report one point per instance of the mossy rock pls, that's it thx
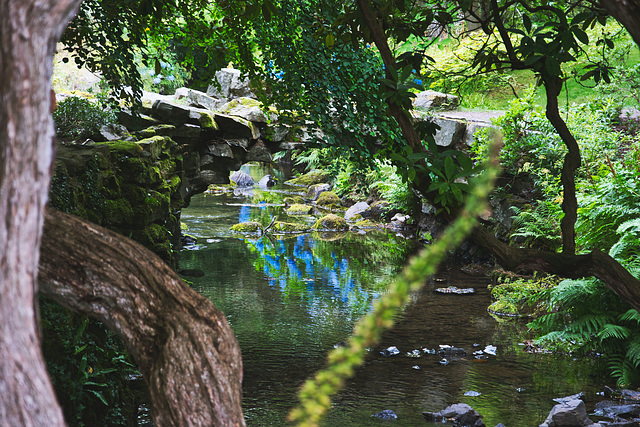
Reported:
(247, 227)
(331, 222)
(314, 177)
(219, 188)
(299, 209)
(118, 212)
(288, 227)
(156, 238)
(504, 308)
(328, 198)
(293, 200)
(367, 223)
(207, 120)
(135, 170)
(123, 148)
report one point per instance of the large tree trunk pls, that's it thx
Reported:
(29, 30)
(627, 12)
(183, 345)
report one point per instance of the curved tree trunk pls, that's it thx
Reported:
(29, 30)
(572, 160)
(183, 345)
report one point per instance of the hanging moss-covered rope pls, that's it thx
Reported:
(315, 395)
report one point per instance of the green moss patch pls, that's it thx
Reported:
(288, 227)
(519, 297)
(328, 198)
(367, 223)
(299, 209)
(123, 147)
(293, 200)
(331, 222)
(310, 178)
(247, 227)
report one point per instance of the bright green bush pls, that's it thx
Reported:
(79, 118)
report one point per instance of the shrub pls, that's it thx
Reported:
(79, 118)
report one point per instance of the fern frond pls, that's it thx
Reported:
(633, 352)
(630, 315)
(613, 331)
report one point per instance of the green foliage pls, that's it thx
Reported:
(79, 118)
(389, 185)
(165, 76)
(521, 297)
(587, 317)
(538, 226)
(89, 368)
(604, 206)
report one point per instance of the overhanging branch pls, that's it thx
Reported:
(183, 345)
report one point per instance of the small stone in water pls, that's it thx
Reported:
(390, 351)
(455, 290)
(472, 393)
(490, 349)
(444, 362)
(416, 367)
(429, 351)
(482, 357)
(414, 353)
(477, 352)
(387, 414)
(520, 389)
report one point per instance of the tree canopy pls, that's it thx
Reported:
(336, 65)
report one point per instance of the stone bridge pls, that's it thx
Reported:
(138, 175)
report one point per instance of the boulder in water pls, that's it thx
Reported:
(460, 414)
(267, 181)
(241, 179)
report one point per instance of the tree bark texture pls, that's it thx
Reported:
(29, 30)
(627, 12)
(572, 161)
(183, 345)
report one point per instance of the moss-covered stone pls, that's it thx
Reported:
(504, 308)
(293, 200)
(331, 222)
(299, 209)
(135, 170)
(367, 223)
(314, 177)
(207, 121)
(288, 227)
(121, 148)
(156, 238)
(328, 198)
(118, 212)
(220, 188)
(247, 227)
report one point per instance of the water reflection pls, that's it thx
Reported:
(291, 298)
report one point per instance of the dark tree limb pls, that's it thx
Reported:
(596, 264)
(183, 345)
(572, 160)
(401, 115)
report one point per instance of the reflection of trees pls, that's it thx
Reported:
(351, 270)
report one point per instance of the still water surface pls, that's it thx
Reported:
(290, 299)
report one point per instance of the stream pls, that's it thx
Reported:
(292, 298)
